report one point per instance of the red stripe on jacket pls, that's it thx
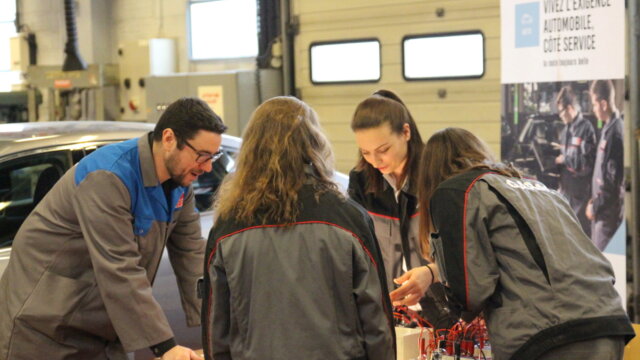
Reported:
(391, 217)
(213, 252)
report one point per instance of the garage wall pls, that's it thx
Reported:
(103, 24)
(97, 37)
(45, 18)
(472, 104)
(144, 19)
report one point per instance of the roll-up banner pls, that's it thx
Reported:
(563, 65)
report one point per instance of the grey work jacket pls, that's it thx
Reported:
(313, 289)
(514, 249)
(78, 284)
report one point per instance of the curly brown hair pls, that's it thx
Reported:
(282, 140)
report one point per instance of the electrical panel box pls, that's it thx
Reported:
(138, 60)
(233, 95)
(19, 51)
(408, 342)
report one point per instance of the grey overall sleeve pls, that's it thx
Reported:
(463, 249)
(102, 204)
(370, 301)
(218, 333)
(186, 253)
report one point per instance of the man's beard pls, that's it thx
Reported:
(173, 169)
(172, 165)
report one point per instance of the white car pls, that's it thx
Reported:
(33, 156)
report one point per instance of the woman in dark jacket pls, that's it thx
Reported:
(293, 270)
(384, 183)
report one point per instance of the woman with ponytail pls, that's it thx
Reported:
(384, 182)
(292, 268)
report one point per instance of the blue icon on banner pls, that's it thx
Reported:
(527, 24)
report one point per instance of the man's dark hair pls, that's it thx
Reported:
(187, 116)
(604, 90)
(566, 97)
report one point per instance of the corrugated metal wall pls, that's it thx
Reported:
(473, 104)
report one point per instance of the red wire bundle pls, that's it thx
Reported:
(466, 335)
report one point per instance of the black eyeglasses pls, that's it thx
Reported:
(203, 156)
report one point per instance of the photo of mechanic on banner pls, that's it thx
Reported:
(569, 135)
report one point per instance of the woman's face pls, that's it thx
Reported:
(384, 149)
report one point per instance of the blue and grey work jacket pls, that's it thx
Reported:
(83, 263)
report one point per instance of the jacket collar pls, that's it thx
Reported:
(147, 166)
(389, 182)
(611, 122)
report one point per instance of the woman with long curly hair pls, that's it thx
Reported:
(292, 268)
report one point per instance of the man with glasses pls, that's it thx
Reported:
(79, 281)
(577, 155)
